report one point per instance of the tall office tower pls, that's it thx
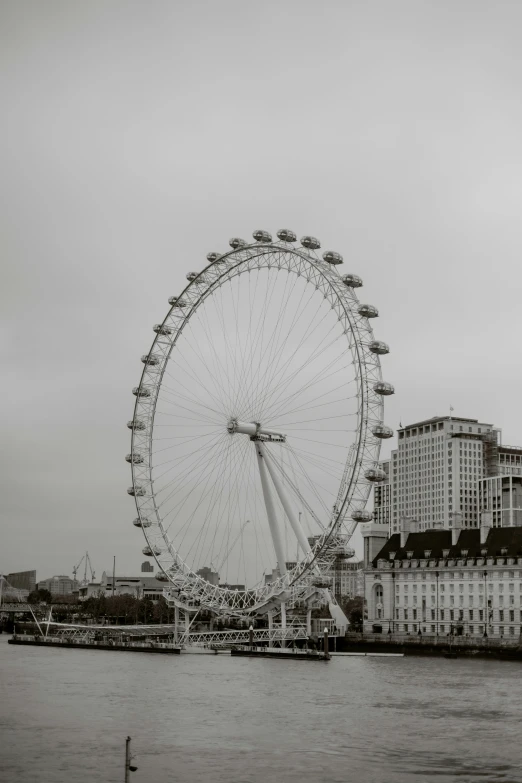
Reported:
(434, 473)
(383, 497)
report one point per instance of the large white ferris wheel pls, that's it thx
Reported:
(257, 426)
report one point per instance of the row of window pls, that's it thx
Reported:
(472, 629)
(458, 616)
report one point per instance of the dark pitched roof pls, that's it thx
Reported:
(435, 541)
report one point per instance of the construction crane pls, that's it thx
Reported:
(87, 563)
(234, 542)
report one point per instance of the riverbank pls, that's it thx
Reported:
(463, 646)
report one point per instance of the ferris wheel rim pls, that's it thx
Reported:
(240, 256)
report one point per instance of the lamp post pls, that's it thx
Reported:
(485, 604)
(437, 604)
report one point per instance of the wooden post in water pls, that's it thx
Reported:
(251, 637)
(127, 759)
(325, 641)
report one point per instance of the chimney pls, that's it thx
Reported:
(486, 522)
(457, 527)
(407, 526)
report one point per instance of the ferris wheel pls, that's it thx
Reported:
(257, 425)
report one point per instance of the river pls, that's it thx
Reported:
(64, 716)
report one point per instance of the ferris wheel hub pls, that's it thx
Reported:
(255, 431)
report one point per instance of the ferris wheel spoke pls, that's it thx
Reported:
(217, 389)
(221, 372)
(283, 361)
(308, 407)
(286, 379)
(189, 470)
(266, 360)
(301, 306)
(193, 549)
(192, 400)
(198, 381)
(258, 343)
(322, 375)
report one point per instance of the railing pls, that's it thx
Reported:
(14, 607)
(227, 638)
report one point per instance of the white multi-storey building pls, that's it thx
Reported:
(435, 582)
(438, 475)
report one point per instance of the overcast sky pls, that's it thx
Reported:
(138, 136)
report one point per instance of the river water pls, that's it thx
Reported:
(64, 716)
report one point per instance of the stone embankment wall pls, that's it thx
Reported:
(484, 647)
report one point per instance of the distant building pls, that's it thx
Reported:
(441, 470)
(146, 567)
(22, 580)
(138, 586)
(59, 585)
(464, 581)
(212, 577)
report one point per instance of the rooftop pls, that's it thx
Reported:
(441, 418)
(501, 541)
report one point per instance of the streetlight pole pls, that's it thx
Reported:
(437, 606)
(486, 609)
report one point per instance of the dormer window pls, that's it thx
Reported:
(409, 555)
(503, 551)
(464, 552)
(445, 553)
(392, 555)
(427, 553)
(483, 552)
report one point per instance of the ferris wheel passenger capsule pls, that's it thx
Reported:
(285, 235)
(236, 242)
(135, 458)
(212, 258)
(379, 348)
(381, 387)
(137, 492)
(150, 359)
(368, 311)
(311, 243)
(162, 329)
(136, 424)
(375, 474)
(331, 257)
(382, 431)
(192, 276)
(362, 515)
(143, 522)
(141, 391)
(161, 577)
(352, 281)
(151, 551)
(262, 236)
(176, 301)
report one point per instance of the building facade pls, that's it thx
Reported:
(439, 582)
(137, 586)
(22, 580)
(59, 585)
(436, 475)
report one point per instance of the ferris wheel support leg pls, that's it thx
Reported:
(270, 628)
(283, 623)
(272, 520)
(176, 624)
(283, 497)
(309, 622)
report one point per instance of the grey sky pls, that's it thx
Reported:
(138, 136)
